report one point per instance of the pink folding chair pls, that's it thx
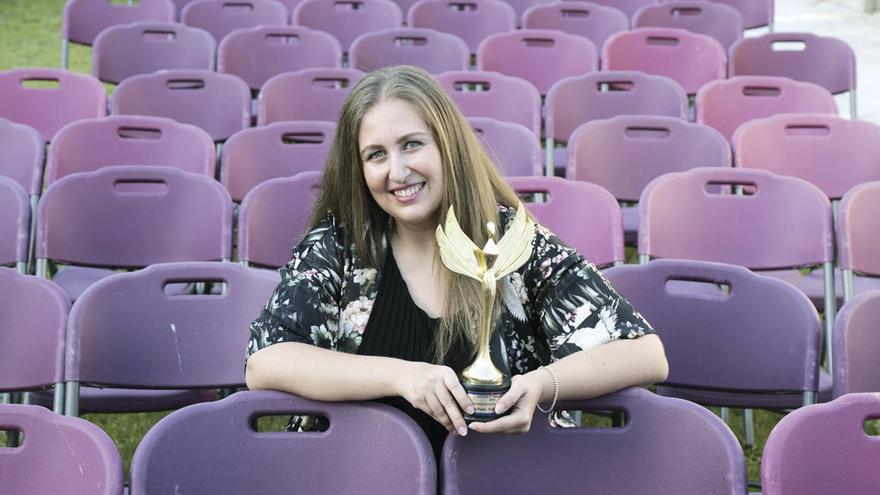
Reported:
(513, 149)
(690, 59)
(428, 49)
(348, 19)
(488, 94)
(856, 343)
(858, 239)
(471, 20)
(590, 20)
(15, 222)
(755, 13)
(308, 94)
(22, 151)
(720, 21)
(223, 17)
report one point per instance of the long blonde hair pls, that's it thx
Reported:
(472, 185)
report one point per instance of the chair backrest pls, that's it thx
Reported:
(690, 59)
(488, 94)
(33, 317)
(823, 60)
(308, 94)
(720, 21)
(856, 341)
(257, 54)
(125, 50)
(22, 150)
(131, 216)
(758, 335)
(15, 220)
(471, 20)
(87, 145)
(223, 17)
(539, 56)
(823, 449)
(218, 103)
(273, 218)
(678, 446)
(858, 238)
(590, 20)
(755, 13)
(131, 330)
(727, 104)
(832, 152)
(60, 454)
(778, 222)
(348, 19)
(431, 50)
(48, 99)
(366, 437)
(598, 236)
(625, 153)
(282, 149)
(601, 95)
(628, 7)
(513, 149)
(83, 20)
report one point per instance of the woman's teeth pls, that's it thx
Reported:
(409, 191)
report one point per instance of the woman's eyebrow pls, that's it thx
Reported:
(407, 137)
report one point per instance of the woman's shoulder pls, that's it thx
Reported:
(324, 240)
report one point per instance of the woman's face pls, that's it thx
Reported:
(402, 165)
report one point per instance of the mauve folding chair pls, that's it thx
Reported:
(584, 216)
(720, 21)
(218, 103)
(856, 340)
(823, 60)
(308, 94)
(755, 13)
(290, 5)
(471, 20)
(601, 95)
(82, 20)
(282, 149)
(22, 152)
(428, 49)
(221, 17)
(729, 103)
(513, 149)
(667, 446)
(590, 20)
(824, 449)
(489, 94)
(180, 4)
(48, 99)
(15, 225)
(623, 154)
(88, 145)
(348, 19)
(690, 59)
(858, 238)
(273, 218)
(257, 54)
(218, 448)
(33, 317)
(539, 56)
(628, 7)
(60, 455)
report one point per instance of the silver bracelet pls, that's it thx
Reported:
(555, 391)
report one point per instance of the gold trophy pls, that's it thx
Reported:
(482, 380)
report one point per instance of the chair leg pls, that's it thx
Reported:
(65, 47)
(830, 311)
(550, 144)
(725, 415)
(749, 427)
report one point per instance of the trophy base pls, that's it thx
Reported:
(484, 398)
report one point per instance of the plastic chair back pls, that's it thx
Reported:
(858, 239)
(628, 7)
(513, 149)
(309, 94)
(223, 17)
(471, 20)
(348, 19)
(714, 19)
(430, 50)
(856, 341)
(83, 20)
(488, 94)
(755, 13)
(590, 20)
(15, 220)
(22, 151)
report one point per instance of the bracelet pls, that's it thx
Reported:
(555, 391)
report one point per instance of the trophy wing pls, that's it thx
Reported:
(515, 247)
(457, 250)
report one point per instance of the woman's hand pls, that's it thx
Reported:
(436, 391)
(525, 391)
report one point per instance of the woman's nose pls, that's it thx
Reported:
(399, 168)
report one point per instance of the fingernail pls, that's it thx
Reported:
(462, 431)
(470, 409)
(499, 408)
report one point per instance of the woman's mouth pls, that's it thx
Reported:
(409, 191)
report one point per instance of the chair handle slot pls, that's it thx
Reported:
(146, 133)
(185, 84)
(238, 6)
(539, 42)
(791, 45)
(686, 11)
(159, 35)
(807, 130)
(282, 39)
(640, 132)
(662, 41)
(576, 13)
(403, 41)
(303, 138)
(762, 91)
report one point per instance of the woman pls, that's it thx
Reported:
(367, 280)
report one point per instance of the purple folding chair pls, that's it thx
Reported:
(282, 149)
(488, 94)
(601, 95)
(858, 244)
(48, 99)
(59, 454)
(727, 104)
(628, 7)
(856, 343)
(428, 49)
(539, 56)
(221, 17)
(15, 225)
(755, 13)
(257, 54)
(824, 449)
(590, 20)
(33, 316)
(826, 61)
(218, 103)
(308, 94)
(22, 151)
(679, 447)
(88, 145)
(82, 20)
(364, 439)
(625, 153)
(720, 21)
(471, 20)
(348, 19)
(273, 218)
(180, 4)
(291, 5)
(584, 216)
(690, 59)
(513, 149)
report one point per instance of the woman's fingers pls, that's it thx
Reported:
(451, 408)
(437, 411)
(518, 421)
(454, 387)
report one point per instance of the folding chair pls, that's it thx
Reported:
(856, 343)
(220, 18)
(488, 94)
(590, 20)
(15, 225)
(185, 448)
(348, 19)
(720, 21)
(755, 13)
(428, 49)
(22, 151)
(858, 246)
(628, 7)
(471, 20)
(513, 149)
(308, 94)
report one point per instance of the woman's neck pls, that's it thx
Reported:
(422, 240)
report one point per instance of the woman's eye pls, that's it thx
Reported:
(410, 145)
(375, 155)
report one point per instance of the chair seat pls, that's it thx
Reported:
(813, 285)
(119, 400)
(757, 400)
